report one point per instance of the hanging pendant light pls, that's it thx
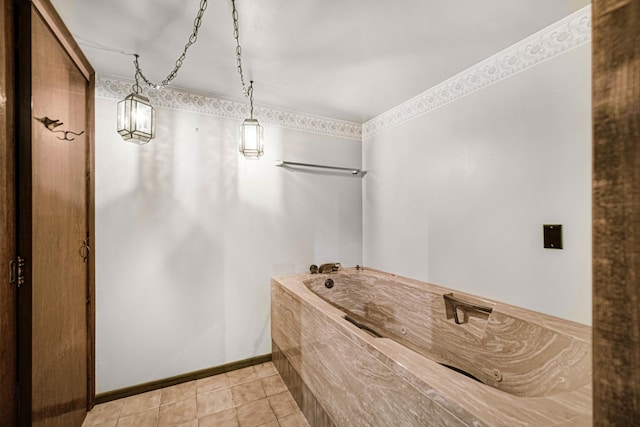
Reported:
(136, 115)
(250, 140)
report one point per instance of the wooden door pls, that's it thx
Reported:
(7, 223)
(55, 317)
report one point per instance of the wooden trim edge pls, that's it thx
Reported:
(178, 379)
(23, 141)
(91, 271)
(59, 28)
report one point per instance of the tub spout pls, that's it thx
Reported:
(329, 268)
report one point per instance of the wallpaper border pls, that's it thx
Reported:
(561, 36)
(181, 99)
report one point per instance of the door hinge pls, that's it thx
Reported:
(16, 271)
(85, 250)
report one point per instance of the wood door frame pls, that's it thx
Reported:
(8, 293)
(91, 227)
(23, 10)
(616, 212)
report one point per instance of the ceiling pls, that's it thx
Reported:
(343, 59)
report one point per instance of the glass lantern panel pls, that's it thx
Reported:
(250, 138)
(143, 117)
(124, 122)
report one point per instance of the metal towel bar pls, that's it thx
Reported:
(353, 171)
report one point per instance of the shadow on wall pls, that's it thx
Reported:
(189, 234)
(160, 271)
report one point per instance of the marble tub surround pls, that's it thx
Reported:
(535, 368)
(313, 411)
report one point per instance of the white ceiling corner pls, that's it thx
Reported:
(559, 37)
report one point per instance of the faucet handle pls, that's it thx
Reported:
(313, 269)
(329, 267)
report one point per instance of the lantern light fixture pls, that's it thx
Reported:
(250, 140)
(136, 115)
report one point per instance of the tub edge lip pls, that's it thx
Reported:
(577, 331)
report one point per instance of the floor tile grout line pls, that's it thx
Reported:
(259, 376)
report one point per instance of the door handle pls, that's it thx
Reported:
(16, 271)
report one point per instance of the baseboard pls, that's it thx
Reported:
(178, 379)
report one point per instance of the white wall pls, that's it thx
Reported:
(458, 196)
(188, 234)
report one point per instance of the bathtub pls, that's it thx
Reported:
(374, 349)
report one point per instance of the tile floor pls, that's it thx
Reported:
(248, 397)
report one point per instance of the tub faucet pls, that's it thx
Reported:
(329, 268)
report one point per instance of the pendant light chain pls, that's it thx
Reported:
(250, 94)
(136, 87)
(192, 39)
(250, 133)
(236, 34)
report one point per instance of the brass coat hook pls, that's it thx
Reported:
(66, 134)
(52, 124)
